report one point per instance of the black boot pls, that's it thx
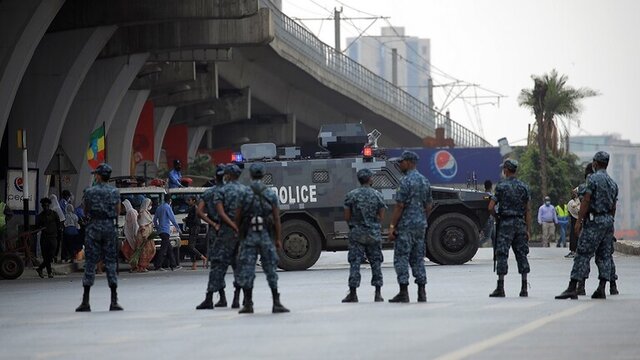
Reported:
(499, 291)
(235, 304)
(570, 292)
(524, 292)
(402, 296)
(207, 304)
(39, 271)
(247, 307)
(378, 296)
(613, 288)
(84, 306)
(580, 289)
(277, 306)
(352, 297)
(599, 293)
(422, 293)
(114, 300)
(223, 299)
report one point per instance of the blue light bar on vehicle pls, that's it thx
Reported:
(237, 157)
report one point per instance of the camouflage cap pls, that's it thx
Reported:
(364, 175)
(220, 169)
(510, 164)
(257, 170)
(406, 155)
(601, 157)
(232, 169)
(103, 169)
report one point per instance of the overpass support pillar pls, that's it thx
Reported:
(48, 88)
(97, 101)
(122, 130)
(161, 119)
(194, 139)
(24, 22)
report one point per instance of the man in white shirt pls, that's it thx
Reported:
(574, 210)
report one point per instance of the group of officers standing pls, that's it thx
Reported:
(244, 222)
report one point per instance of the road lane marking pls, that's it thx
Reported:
(514, 305)
(506, 336)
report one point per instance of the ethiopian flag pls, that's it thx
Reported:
(95, 152)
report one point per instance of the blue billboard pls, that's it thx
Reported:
(456, 166)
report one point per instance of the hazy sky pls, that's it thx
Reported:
(499, 44)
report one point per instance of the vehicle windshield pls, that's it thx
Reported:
(136, 201)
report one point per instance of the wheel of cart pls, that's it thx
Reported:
(13, 253)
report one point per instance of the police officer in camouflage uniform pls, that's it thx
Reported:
(363, 211)
(597, 212)
(258, 219)
(225, 247)
(512, 196)
(408, 226)
(206, 211)
(102, 206)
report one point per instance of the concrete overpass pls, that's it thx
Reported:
(230, 70)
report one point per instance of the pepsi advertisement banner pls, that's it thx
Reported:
(456, 166)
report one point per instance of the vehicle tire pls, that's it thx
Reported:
(452, 239)
(11, 266)
(301, 245)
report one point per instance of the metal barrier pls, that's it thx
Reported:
(289, 31)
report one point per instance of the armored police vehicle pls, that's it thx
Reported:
(312, 190)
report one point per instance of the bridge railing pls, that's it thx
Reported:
(356, 75)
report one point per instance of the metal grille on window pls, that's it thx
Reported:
(267, 179)
(320, 176)
(382, 181)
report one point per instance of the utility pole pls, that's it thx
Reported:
(394, 66)
(336, 19)
(22, 144)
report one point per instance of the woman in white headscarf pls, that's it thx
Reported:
(145, 246)
(55, 206)
(130, 230)
(70, 234)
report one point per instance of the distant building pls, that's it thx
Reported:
(414, 59)
(624, 168)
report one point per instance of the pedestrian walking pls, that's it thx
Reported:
(162, 220)
(547, 219)
(408, 226)
(562, 214)
(258, 221)
(206, 211)
(574, 210)
(595, 229)
(102, 206)
(363, 211)
(49, 221)
(512, 196)
(71, 232)
(192, 222)
(145, 246)
(55, 206)
(225, 248)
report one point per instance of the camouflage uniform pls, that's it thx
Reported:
(257, 242)
(597, 232)
(512, 195)
(225, 248)
(409, 248)
(365, 233)
(100, 203)
(209, 201)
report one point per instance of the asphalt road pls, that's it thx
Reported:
(37, 318)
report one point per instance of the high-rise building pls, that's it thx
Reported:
(413, 60)
(624, 169)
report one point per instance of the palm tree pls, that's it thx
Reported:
(551, 100)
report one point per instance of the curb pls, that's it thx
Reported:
(629, 247)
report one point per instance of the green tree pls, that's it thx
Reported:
(202, 166)
(550, 100)
(565, 173)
